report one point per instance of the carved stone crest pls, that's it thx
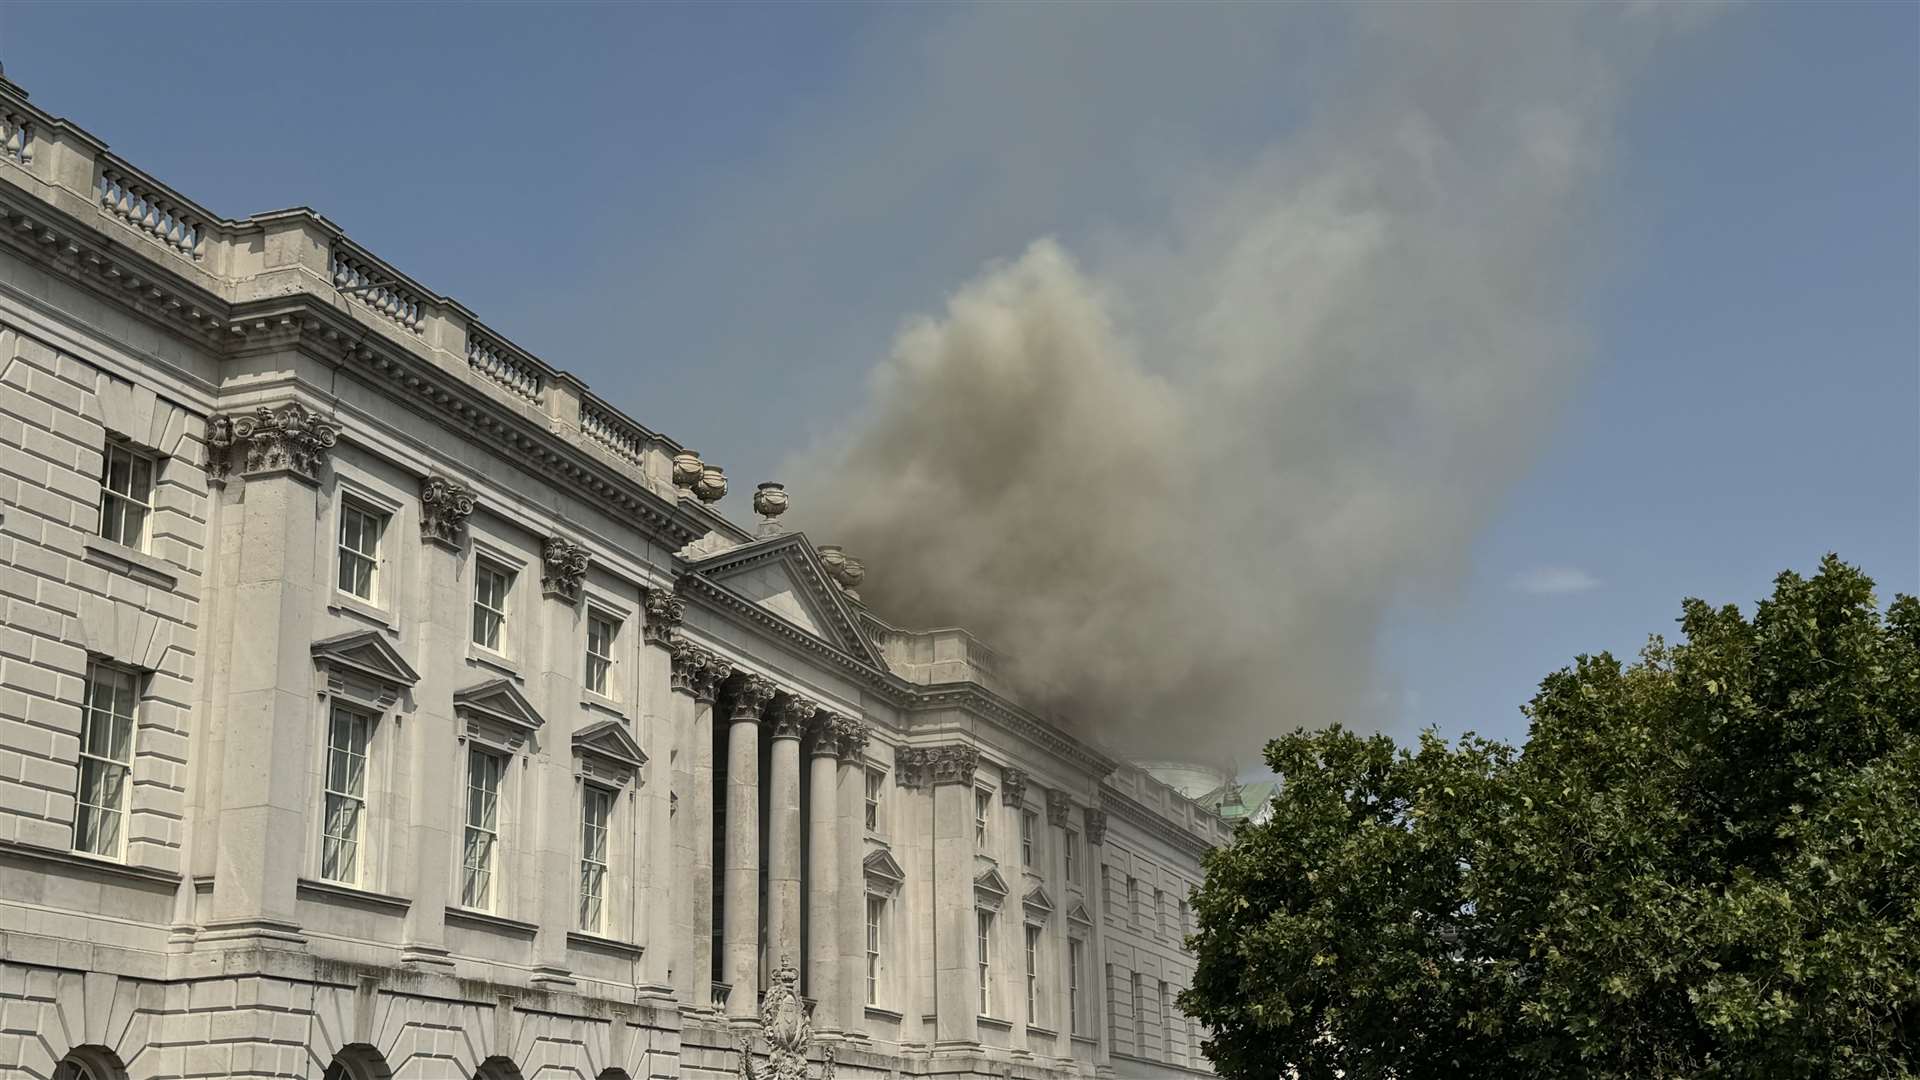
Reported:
(444, 509)
(563, 568)
(271, 439)
(788, 1030)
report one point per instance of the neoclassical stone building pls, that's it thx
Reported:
(375, 700)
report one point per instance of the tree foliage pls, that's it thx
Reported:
(1705, 864)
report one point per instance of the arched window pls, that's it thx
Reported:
(90, 1063)
(497, 1068)
(358, 1062)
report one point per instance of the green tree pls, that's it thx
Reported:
(1705, 864)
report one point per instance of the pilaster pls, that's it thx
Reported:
(851, 917)
(950, 770)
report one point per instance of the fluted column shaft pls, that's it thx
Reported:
(791, 717)
(741, 946)
(823, 878)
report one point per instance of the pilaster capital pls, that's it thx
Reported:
(563, 568)
(445, 506)
(750, 696)
(707, 680)
(1096, 826)
(921, 766)
(851, 735)
(1013, 787)
(663, 613)
(1059, 808)
(270, 440)
(792, 716)
(689, 664)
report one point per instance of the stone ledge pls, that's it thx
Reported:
(595, 943)
(493, 922)
(142, 875)
(122, 559)
(335, 891)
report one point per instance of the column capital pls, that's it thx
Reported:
(1013, 787)
(751, 694)
(1096, 826)
(663, 614)
(1059, 808)
(792, 715)
(921, 766)
(445, 505)
(563, 568)
(851, 735)
(689, 664)
(826, 734)
(271, 439)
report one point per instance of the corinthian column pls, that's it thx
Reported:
(685, 665)
(956, 991)
(791, 718)
(741, 947)
(706, 683)
(823, 884)
(851, 920)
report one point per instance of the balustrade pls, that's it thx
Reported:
(609, 428)
(376, 288)
(149, 209)
(16, 136)
(496, 362)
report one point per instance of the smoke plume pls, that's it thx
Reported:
(1179, 486)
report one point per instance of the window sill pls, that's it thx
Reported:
(603, 703)
(145, 875)
(580, 939)
(995, 1022)
(1089, 1040)
(349, 604)
(881, 1012)
(352, 894)
(132, 562)
(492, 921)
(484, 657)
(1043, 1032)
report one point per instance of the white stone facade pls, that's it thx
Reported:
(375, 701)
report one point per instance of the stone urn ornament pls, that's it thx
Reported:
(834, 558)
(851, 575)
(687, 469)
(770, 501)
(712, 485)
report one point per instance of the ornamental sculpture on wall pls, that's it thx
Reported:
(563, 568)
(445, 506)
(788, 1031)
(271, 439)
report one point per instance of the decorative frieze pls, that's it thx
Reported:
(921, 766)
(851, 734)
(664, 611)
(1059, 809)
(1096, 826)
(270, 440)
(1013, 787)
(750, 696)
(445, 506)
(792, 716)
(563, 568)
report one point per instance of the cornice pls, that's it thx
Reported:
(1143, 816)
(717, 598)
(977, 699)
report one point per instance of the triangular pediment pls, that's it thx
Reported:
(367, 653)
(1078, 913)
(990, 881)
(883, 867)
(1038, 901)
(500, 701)
(784, 577)
(611, 740)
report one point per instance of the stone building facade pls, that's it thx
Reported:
(376, 701)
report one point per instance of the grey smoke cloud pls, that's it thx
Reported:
(1179, 482)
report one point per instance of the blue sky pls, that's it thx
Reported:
(720, 216)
